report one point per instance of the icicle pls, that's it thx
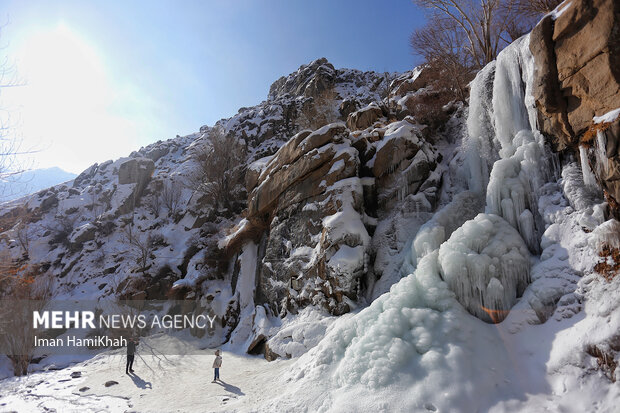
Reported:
(601, 153)
(527, 231)
(508, 212)
(588, 176)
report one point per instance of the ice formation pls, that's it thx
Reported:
(432, 234)
(601, 153)
(486, 263)
(502, 124)
(588, 176)
(480, 145)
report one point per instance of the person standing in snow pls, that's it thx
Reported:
(217, 363)
(131, 351)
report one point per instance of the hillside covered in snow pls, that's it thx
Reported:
(357, 256)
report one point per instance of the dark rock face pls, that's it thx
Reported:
(577, 77)
(304, 187)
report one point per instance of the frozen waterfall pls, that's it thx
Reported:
(505, 107)
(485, 260)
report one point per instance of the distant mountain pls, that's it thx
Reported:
(32, 181)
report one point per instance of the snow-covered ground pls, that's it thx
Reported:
(161, 383)
(497, 368)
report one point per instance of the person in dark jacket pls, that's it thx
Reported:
(131, 351)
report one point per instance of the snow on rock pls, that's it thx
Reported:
(299, 333)
(486, 263)
(608, 117)
(607, 233)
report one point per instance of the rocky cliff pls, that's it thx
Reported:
(325, 171)
(577, 82)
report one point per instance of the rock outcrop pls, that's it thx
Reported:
(577, 78)
(309, 190)
(365, 117)
(321, 194)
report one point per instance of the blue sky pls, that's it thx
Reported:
(103, 78)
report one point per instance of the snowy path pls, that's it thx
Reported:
(183, 383)
(163, 384)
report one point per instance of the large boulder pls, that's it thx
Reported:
(365, 117)
(136, 171)
(306, 153)
(133, 176)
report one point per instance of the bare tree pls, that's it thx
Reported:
(98, 203)
(171, 197)
(536, 8)
(154, 204)
(11, 165)
(484, 24)
(444, 48)
(141, 248)
(23, 236)
(220, 167)
(386, 89)
(22, 290)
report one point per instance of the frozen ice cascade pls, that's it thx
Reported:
(509, 127)
(486, 263)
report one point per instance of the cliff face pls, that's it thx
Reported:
(577, 79)
(317, 201)
(325, 175)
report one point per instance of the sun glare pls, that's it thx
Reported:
(66, 103)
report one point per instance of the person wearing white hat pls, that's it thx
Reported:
(217, 363)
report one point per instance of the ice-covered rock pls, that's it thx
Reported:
(487, 264)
